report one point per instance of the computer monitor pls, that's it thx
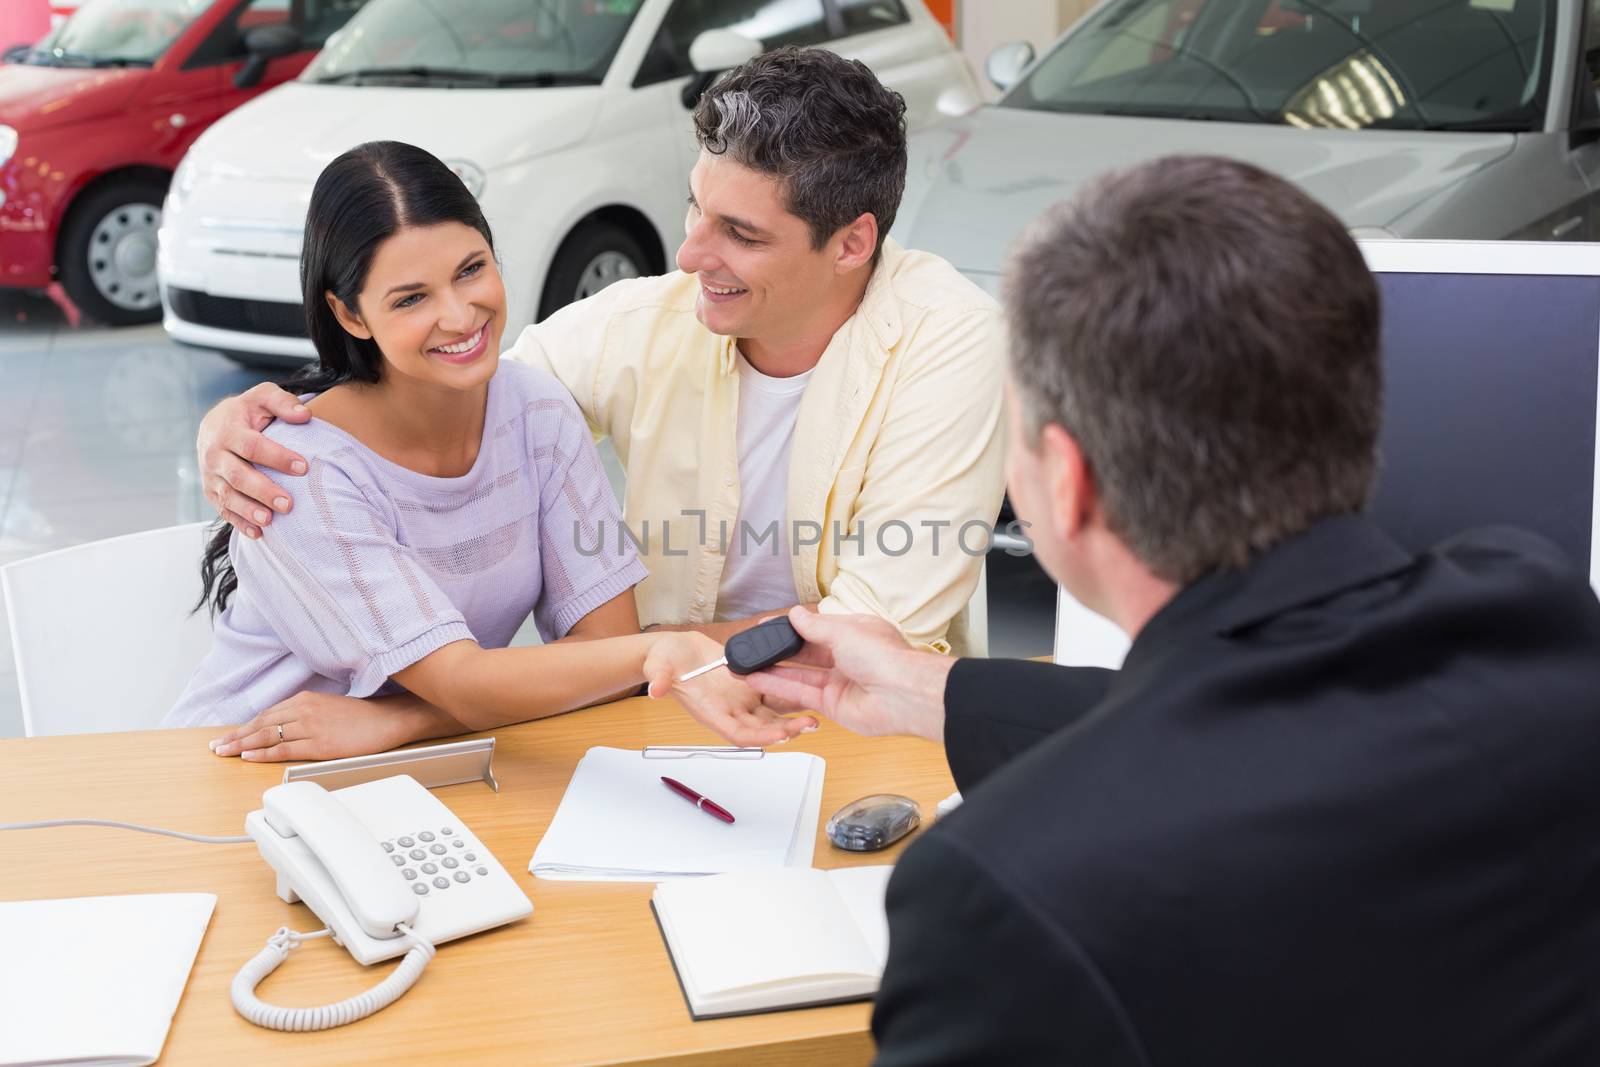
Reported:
(1492, 398)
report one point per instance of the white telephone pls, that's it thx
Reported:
(392, 872)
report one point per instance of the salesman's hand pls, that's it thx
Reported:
(858, 671)
(719, 699)
(231, 440)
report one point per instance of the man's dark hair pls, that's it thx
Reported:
(823, 125)
(1209, 335)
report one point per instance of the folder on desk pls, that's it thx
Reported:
(618, 823)
(95, 980)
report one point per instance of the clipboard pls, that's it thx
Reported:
(617, 822)
(700, 752)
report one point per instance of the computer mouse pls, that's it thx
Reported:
(874, 822)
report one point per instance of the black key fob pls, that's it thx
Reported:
(761, 646)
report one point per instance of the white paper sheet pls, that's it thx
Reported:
(95, 980)
(618, 822)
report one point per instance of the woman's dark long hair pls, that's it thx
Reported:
(360, 200)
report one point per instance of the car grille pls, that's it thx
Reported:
(245, 316)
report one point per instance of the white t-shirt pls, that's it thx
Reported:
(758, 575)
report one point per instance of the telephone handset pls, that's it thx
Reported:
(348, 853)
(391, 871)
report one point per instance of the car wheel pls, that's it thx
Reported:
(591, 258)
(107, 258)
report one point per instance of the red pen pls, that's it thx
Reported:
(710, 807)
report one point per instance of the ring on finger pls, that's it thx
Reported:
(280, 733)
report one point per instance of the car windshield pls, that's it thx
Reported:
(117, 33)
(476, 43)
(1313, 64)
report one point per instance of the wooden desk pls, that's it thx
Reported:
(584, 980)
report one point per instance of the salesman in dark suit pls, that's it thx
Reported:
(1341, 805)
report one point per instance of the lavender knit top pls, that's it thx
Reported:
(377, 566)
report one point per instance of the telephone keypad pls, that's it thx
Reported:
(428, 851)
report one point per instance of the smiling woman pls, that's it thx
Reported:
(445, 499)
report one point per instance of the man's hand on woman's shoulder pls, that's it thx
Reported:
(231, 440)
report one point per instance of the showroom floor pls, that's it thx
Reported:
(97, 432)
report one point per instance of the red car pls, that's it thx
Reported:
(95, 117)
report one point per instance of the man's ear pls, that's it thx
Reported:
(858, 244)
(348, 319)
(1074, 499)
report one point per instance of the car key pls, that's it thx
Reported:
(751, 650)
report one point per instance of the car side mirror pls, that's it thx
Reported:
(713, 52)
(1005, 64)
(266, 43)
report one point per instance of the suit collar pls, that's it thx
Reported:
(1335, 554)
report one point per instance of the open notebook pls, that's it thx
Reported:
(618, 823)
(733, 959)
(95, 980)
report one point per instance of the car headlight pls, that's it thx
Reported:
(471, 176)
(183, 182)
(8, 144)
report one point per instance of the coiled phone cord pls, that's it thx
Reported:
(285, 941)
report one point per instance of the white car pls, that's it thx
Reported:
(1462, 119)
(569, 119)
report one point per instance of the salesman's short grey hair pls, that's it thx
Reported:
(823, 125)
(1209, 335)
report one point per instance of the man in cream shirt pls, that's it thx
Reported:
(806, 413)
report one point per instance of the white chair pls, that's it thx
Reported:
(102, 633)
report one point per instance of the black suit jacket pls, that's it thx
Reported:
(1342, 808)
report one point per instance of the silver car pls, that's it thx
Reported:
(1408, 118)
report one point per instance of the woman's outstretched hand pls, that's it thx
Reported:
(719, 700)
